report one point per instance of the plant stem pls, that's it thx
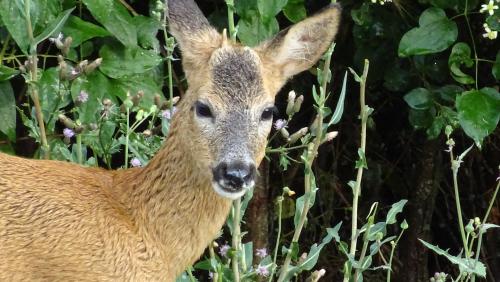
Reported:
(230, 19)
(236, 239)
(33, 69)
(312, 151)
(127, 135)
(473, 43)
(169, 57)
(275, 256)
(4, 47)
(79, 148)
(212, 257)
(359, 176)
(485, 218)
(454, 168)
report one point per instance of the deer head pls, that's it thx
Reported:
(228, 107)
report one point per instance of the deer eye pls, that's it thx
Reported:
(203, 110)
(267, 114)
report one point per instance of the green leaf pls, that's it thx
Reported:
(435, 34)
(98, 87)
(54, 27)
(53, 96)
(493, 21)
(339, 109)
(147, 29)
(7, 73)
(121, 62)
(7, 110)
(295, 10)
(496, 67)
(270, 8)
(13, 16)
(115, 18)
(82, 31)
(394, 211)
(465, 265)
(418, 99)
(312, 256)
(361, 162)
(254, 29)
(460, 55)
(478, 112)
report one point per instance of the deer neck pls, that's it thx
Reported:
(172, 200)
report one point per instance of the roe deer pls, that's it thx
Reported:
(64, 222)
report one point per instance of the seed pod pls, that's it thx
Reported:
(136, 99)
(69, 123)
(330, 136)
(298, 104)
(66, 45)
(290, 104)
(92, 66)
(157, 100)
(297, 135)
(284, 133)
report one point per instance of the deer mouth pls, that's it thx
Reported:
(226, 190)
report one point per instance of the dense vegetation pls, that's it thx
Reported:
(95, 82)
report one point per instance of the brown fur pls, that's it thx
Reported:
(63, 222)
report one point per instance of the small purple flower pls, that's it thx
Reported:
(82, 97)
(168, 114)
(135, 162)
(211, 275)
(262, 271)
(261, 253)
(68, 133)
(224, 249)
(75, 72)
(279, 124)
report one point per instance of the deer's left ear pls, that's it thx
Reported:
(297, 48)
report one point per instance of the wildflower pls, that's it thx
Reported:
(135, 162)
(261, 253)
(279, 124)
(224, 249)
(82, 97)
(490, 7)
(331, 135)
(491, 34)
(68, 133)
(262, 271)
(168, 114)
(211, 275)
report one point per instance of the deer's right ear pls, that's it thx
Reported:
(196, 37)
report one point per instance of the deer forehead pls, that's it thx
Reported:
(236, 77)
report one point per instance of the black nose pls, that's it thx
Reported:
(234, 175)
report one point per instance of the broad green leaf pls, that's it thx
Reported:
(460, 55)
(115, 18)
(479, 112)
(98, 87)
(147, 29)
(295, 10)
(270, 8)
(245, 8)
(418, 99)
(422, 118)
(54, 27)
(53, 96)
(449, 93)
(435, 129)
(496, 67)
(465, 265)
(121, 62)
(7, 110)
(253, 30)
(435, 34)
(82, 31)
(13, 16)
(7, 73)
(394, 211)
